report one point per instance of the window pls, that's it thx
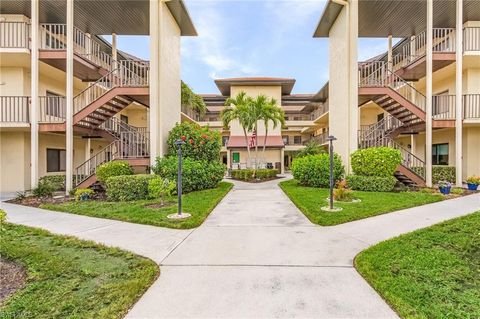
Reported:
(380, 117)
(124, 118)
(285, 140)
(224, 140)
(56, 160)
(236, 157)
(297, 140)
(440, 154)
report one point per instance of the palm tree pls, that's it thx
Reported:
(271, 112)
(239, 108)
(257, 109)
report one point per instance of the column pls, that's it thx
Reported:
(354, 117)
(154, 78)
(282, 161)
(429, 76)
(390, 54)
(69, 98)
(229, 164)
(458, 94)
(114, 50)
(34, 103)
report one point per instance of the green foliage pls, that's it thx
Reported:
(251, 174)
(128, 187)
(3, 216)
(474, 180)
(160, 188)
(457, 191)
(196, 175)
(43, 189)
(371, 183)
(428, 190)
(443, 173)
(201, 143)
(192, 100)
(375, 161)
(57, 181)
(311, 148)
(314, 170)
(83, 194)
(342, 193)
(113, 168)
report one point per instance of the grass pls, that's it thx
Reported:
(199, 204)
(430, 273)
(309, 200)
(70, 278)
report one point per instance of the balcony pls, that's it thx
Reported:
(190, 113)
(320, 139)
(14, 36)
(15, 110)
(444, 107)
(471, 39)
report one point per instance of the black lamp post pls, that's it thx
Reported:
(179, 144)
(330, 139)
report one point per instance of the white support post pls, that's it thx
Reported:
(354, 117)
(154, 79)
(114, 50)
(458, 94)
(390, 54)
(429, 78)
(282, 161)
(34, 106)
(69, 97)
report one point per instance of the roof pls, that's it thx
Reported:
(380, 18)
(239, 141)
(123, 17)
(224, 85)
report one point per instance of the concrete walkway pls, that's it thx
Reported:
(255, 256)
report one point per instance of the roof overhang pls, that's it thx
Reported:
(380, 18)
(123, 17)
(224, 85)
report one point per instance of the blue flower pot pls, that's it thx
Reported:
(445, 190)
(472, 187)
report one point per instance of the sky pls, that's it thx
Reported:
(239, 38)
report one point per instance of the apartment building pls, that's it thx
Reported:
(421, 97)
(71, 101)
(306, 118)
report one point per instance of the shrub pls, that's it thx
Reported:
(113, 168)
(128, 187)
(473, 180)
(457, 191)
(375, 161)
(197, 175)
(83, 194)
(3, 216)
(428, 190)
(342, 193)
(443, 173)
(43, 189)
(201, 143)
(311, 148)
(160, 188)
(314, 170)
(371, 183)
(251, 174)
(57, 181)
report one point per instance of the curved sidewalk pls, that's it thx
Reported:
(255, 256)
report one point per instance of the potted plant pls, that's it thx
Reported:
(444, 187)
(473, 182)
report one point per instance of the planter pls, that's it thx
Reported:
(445, 190)
(472, 186)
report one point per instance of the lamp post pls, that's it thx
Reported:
(179, 144)
(330, 140)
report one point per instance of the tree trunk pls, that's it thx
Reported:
(265, 140)
(248, 148)
(256, 145)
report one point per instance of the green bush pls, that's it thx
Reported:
(251, 174)
(128, 187)
(371, 183)
(201, 143)
(43, 189)
(314, 170)
(443, 173)
(375, 161)
(160, 188)
(83, 194)
(3, 216)
(57, 181)
(197, 175)
(113, 168)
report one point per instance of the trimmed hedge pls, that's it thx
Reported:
(371, 183)
(56, 181)
(128, 187)
(375, 161)
(196, 175)
(314, 170)
(251, 174)
(113, 168)
(443, 173)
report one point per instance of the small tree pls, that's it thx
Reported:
(160, 188)
(311, 148)
(192, 100)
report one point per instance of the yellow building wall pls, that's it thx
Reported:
(14, 161)
(137, 115)
(271, 155)
(369, 113)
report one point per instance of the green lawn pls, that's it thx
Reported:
(70, 278)
(430, 273)
(199, 204)
(309, 200)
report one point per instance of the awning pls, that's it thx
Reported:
(239, 141)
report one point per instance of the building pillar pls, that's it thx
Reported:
(354, 117)
(229, 159)
(413, 144)
(69, 98)
(390, 54)
(34, 100)
(458, 94)
(114, 50)
(154, 78)
(282, 161)
(428, 109)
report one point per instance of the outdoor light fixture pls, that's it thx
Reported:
(180, 214)
(330, 208)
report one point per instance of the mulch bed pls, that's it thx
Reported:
(37, 201)
(12, 276)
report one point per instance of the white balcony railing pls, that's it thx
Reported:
(15, 109)
(14, 35)
(52, 109)
(443, 107)
(322, 109)
(471, 106)
(471, 39)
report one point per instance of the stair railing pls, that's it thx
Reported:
(379, 130)
(406, 90)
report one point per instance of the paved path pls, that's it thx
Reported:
(255, 256)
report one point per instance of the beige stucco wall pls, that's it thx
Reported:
(369, 113)
(137, 115)
(271, 155)
(14, 161)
